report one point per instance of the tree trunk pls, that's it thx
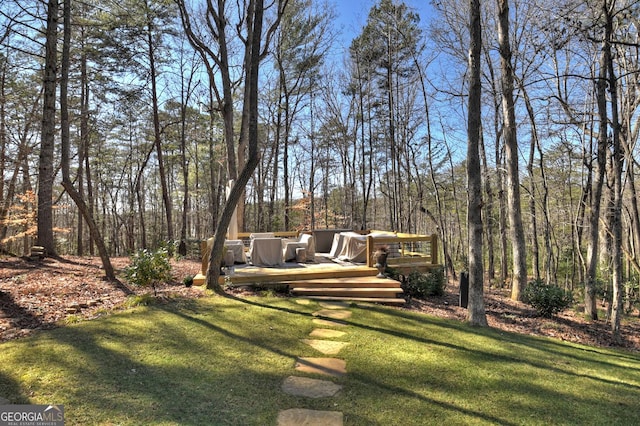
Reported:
(476, 311)
(511, 151)
(489, 215)
(591, 310)
(45, 168)
(617, 166)
(168, 208)
(250, 125)
(65, 147)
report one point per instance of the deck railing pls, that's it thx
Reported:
(405, 250)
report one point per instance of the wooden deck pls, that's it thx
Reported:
(322, 279)
(329, 279)
(321, 267)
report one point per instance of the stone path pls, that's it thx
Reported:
(320, 339)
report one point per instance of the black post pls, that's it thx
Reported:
(464, 289)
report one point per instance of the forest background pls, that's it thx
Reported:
(372, 137)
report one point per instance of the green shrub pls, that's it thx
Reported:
(420, 285)
(188, 281)
(149, 268)
(546, 299)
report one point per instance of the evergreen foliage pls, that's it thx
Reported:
(547, 299)
(421, 286)
(149, 268)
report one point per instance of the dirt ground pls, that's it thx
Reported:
(37, 295)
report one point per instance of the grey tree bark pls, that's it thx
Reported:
(45, 167)
(476, 311)
(65, 142)
(511, 151)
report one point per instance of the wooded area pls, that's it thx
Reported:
(122, 122)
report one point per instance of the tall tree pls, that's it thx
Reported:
(387, 47)
(476, 313)
(46, 169)
(300, 46)
(65, 142)
(511, 150)
(252, 17)
(617, 160)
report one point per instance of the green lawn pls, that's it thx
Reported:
(218, 361)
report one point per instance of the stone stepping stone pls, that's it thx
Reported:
(326, 333)
(301, 416)
(328, 322)
(303, 301)
(327, 366)
(333, 314)
(334, 305)
(310, 388)
(327, 347)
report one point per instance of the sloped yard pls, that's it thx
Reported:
(220, 360)
(39, 295)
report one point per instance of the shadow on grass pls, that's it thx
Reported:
(535, 343)
(122, 380)
(370, 381)
(10, 390)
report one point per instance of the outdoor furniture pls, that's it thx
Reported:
(323, 238)
(301, 255)
(336, 246)
(255, 235)
(237, 247)
(352, 247)
(266, 251)
(305, 241)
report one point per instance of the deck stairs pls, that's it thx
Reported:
(351, 289)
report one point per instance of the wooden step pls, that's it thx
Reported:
(370, 292)
(385, 300)
(353, 282)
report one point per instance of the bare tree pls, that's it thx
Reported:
(252, 17)
(476, 314)
(511, 151)
(65, 141)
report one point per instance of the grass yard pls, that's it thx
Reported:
(218, 361)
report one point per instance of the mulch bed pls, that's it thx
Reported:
(506, 314)
(36, 295)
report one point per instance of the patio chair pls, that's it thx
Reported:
(305, 241)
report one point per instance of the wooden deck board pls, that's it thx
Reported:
(322, 268)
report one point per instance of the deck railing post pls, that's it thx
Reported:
(370, 250)
(204, 250)
(434, 249)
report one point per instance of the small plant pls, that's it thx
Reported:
(188, 281)
(73, 319)
(149, 268)
(421, 285)
(139, 300)
(546, 299)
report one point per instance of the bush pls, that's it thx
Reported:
(421, 285)
(188, 281)
(546, 299)
(149, 268)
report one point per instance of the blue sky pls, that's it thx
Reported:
(352, 15)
